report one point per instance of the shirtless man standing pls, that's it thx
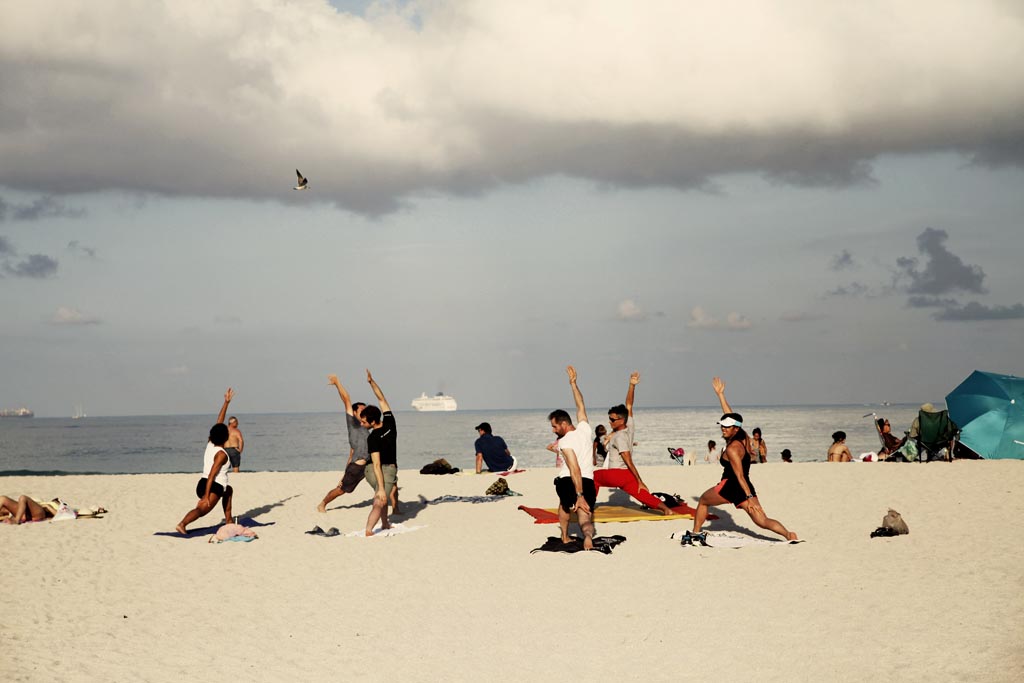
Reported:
(235, 444)
(838, 452)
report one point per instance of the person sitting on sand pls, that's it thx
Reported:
(574, 483)
(735, 486)
(712, 448)
(619, 471)
(382, 468)
(492, 451)
(25, 509)
(838, 452)
(358, 456)
(213, 485)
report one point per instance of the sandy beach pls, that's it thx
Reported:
(461, 597)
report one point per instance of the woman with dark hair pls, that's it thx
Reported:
(600, 452)
(213, 485)
(735, 486)
(758, 448)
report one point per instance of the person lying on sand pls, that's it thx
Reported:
(25, 509)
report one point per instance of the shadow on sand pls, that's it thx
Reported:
(246, 519)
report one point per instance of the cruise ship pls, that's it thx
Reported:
(25, 412)
(429, 404)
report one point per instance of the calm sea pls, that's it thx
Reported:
(317, 441)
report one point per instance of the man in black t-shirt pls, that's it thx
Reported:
(382, 443)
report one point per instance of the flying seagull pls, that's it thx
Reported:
(302, 185)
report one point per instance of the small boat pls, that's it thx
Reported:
(79, 412)
(438, 402)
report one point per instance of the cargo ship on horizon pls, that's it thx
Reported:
(16, 412)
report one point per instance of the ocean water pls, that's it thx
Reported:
(318, 441)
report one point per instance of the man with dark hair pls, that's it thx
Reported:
(492, 450)
(213, 485)
(382, 444)
(355, 467)
(619, 471)
(575, 483)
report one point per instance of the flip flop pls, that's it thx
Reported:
(316, 531)
(333, 531)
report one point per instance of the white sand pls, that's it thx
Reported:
(462, 597)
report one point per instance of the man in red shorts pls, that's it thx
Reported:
(619, 471)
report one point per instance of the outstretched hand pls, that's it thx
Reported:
(718, 385)
(634, 379)
(369, 377)
(572, 374)
(228, 395)
(332, 379)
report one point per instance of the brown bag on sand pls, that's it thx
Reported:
(894, 521)
(498, 488)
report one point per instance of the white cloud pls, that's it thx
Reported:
(459, 96)
(628, 310)
(701, 320)
(72, 316)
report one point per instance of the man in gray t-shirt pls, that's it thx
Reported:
(358, 454)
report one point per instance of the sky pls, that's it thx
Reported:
(818, 202)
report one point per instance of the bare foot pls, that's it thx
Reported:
(791, 537)
(369, 533)
(666, 510)
(565, 539)
(386, 526)
(322, 507)
(588, 543)
(181, 530)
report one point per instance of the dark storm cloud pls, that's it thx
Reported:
(76, 247)
(842, 261)
(131, 96)
(852, 289)
(976, 311)
(943, 271)
(32, 266)
(42, 207)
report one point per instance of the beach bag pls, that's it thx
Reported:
(439, 466)
(63, 512)
(668, 499)
(892, 525)
(498, 488)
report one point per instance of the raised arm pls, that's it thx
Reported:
(634, 379)
(719, 387)
(384, 407)
(581, 409)
(342, 392)
(228, 395)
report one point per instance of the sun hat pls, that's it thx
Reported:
(731, 420)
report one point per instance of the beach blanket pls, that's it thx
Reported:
(378, 532)
(233, 532)
(733, 539)
(450, 498)
(613, 513)
(602, 544)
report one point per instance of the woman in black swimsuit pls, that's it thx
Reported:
(735, 486)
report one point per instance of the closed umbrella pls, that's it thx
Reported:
(990, 411)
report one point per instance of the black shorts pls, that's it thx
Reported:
(731, 490)
(353, 475)
(234, 457)
(566, 491)
(215, 488)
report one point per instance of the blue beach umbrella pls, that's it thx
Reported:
(990, 411)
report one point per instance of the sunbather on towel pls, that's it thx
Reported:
(619, 472)
(24, 509)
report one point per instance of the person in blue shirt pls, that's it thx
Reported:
(492, 451)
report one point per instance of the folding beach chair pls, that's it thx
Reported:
(936, 432)
(677, 454)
